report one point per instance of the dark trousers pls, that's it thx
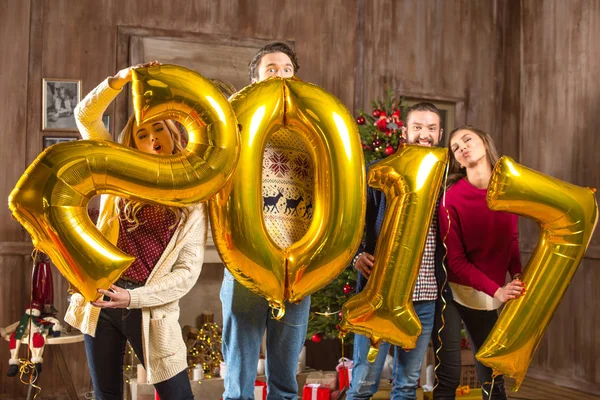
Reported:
(106, 350)
(478, 324)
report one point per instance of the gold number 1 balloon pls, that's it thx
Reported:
(567, 215)
(50, 200)
(410, 180)
(335, 231)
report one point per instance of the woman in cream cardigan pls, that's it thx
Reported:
(168, 243)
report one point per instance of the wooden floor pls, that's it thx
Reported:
(534, 389)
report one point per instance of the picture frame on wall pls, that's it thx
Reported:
(50, 140)
(59, 98)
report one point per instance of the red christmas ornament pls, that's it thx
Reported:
(376, 142)
(347, 289)
(360, 120)
(317, 337)
(376, 113)
(381, 125)
(389, 150)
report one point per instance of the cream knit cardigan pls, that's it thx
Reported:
(175, 273)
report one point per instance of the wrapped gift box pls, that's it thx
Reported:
(326, 379)
(344, 370)
(315, 391)
(260, 390)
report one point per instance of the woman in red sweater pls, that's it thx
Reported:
(482, 246)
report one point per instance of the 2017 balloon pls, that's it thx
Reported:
(50, 200)
(567, 215)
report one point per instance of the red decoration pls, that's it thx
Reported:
(382, 125)
(263, 391)
(389, 150)
(347, 289)
(360, 120)
(376, 113)
(315, 391)
(344, 376)
(317, 337)
(376, 142)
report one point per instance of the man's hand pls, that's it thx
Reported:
(364, 264)
(512, 290)
(119, 298)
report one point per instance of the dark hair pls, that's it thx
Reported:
(456, 172)
(423, 106)
(277, 47)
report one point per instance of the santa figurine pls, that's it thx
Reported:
(35, 329)
(34, 326)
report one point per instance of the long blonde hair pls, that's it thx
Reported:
(132, 207)
(456, 172)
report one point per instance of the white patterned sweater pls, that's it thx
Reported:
(288, 184)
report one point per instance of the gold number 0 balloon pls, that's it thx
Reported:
(411, 180)
(335, 231)
(567, 215)
(50, 200)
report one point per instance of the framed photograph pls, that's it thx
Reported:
(50, 140)
(59, 98)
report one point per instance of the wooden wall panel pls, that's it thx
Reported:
(559, 128)
(14, 57)
(436, 49)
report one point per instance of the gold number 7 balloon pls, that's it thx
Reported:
(50, 199)
(567, 215)
(383, 311)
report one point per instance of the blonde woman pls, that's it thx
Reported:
(168, 243)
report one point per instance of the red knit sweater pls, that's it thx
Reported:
(482, 244)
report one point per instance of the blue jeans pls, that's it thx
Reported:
(106, 350)
(407, 364)
(245, 318)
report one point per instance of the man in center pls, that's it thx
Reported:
(288, 184)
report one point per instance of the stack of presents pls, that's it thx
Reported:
(332, 385)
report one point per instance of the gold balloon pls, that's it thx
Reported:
(50, 199)
(567, 215)
(334, 234)
(410, 180)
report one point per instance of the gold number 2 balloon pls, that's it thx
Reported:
(410, 180)
(334, 234)
(50, 199)
(567, 215)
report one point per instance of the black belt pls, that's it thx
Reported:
(127, 283)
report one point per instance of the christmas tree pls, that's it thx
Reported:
(381, 131)
(380, 134)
